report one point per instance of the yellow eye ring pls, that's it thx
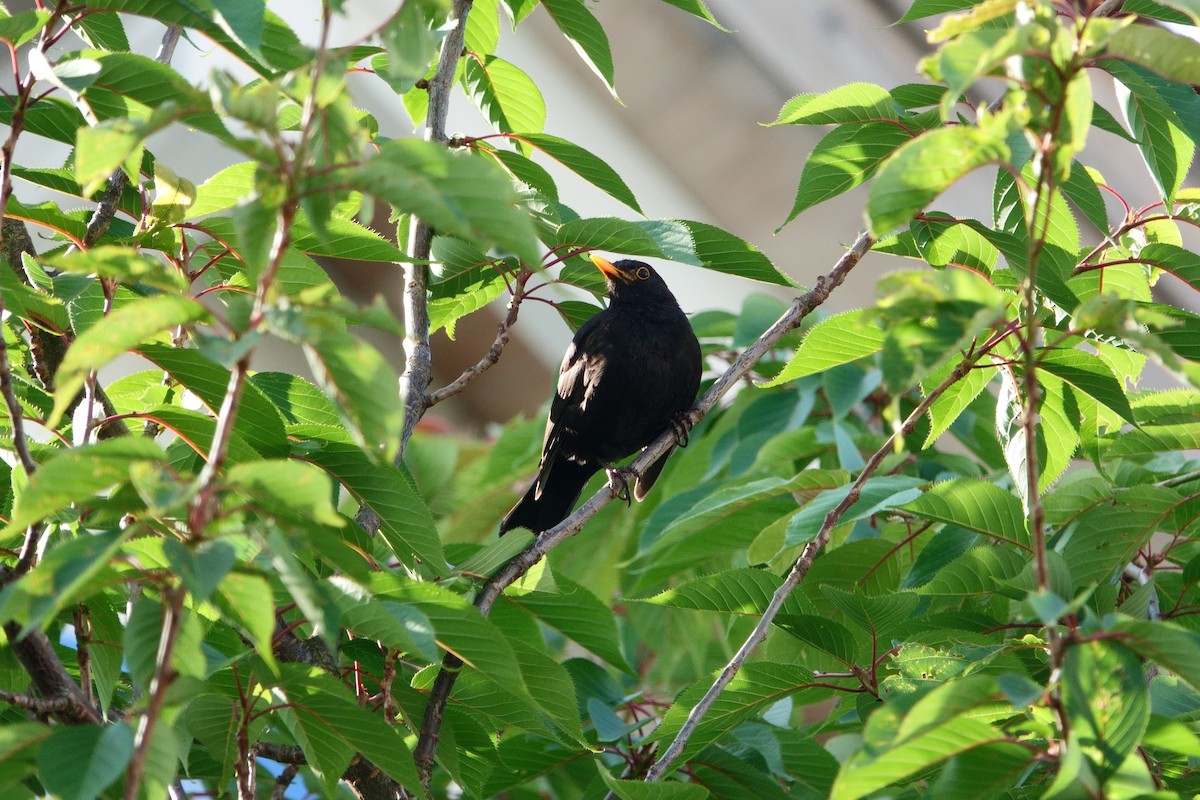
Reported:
(643, 273)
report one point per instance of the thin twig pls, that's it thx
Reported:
(1108, 8)
(797, 573)
(164, 676)
(279, 792)
(801, 307)
(16, 126)
(493, 354)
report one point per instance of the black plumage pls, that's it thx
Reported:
(628, 373)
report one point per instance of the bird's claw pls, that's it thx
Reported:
(620, 481)
(681, 424)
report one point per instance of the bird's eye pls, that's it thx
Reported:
(643, 273)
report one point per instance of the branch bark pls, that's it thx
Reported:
(418, 360)
(801, 307)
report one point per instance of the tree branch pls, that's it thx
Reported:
(492, 355)
(418, 366)
(801, 307)
(797, 573)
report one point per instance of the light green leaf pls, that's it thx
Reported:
(258, 422)
(119, 331)
(579, 615)
(1171, 55)
(292, 485)
(855, 102)
(736, 591)
(505, 95)
(925, 167)
(846, 157)
(457, 193)
(1106, 699)
(833, 341)
(223, 190)
(73, 476)
(1089, 375)
(975, 505)
(20, 28)
(697, 8)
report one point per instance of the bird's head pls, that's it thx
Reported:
(633, 281)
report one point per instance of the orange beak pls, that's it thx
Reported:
(609, 269)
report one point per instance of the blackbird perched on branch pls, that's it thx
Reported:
(628, 375)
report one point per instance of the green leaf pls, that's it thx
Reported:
(1106, 700)
(405, 522)
(292, 485)
(920, 9)
(1089, 375)
(297, 400)
(121, 330)
(869, 770)
(79, 762)
(925, 167)
(876, 493)
(505, 95)
(846, 157)
(223, 190)
(736, 591)
(1164, 643)
(258, 422)
(955, 400)
(364, 388)
(854, 102)
(640, 790)
(833, 341)
(43, 310)
(461, 629)
(20, 28)
(328, 717)
(393, 624)
(122, 264)
(975, 505)
(1166, 149)
(200, 568)
(1175, 57)
(76, 475)
(103, 31)
(410, 45)
(579, 615)
(697, 8)
(458, 194)
(584, 164)
(584, 33)
(758, 685)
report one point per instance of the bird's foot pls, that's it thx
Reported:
(620, 480)
(681, 424)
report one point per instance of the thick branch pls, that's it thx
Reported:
(521, 563)
(418, 360)
(46, 670)
(797, 573)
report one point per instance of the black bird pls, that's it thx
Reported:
(628, 374)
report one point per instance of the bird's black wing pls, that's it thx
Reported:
(573, 378)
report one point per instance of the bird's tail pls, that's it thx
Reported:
(561, 488)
